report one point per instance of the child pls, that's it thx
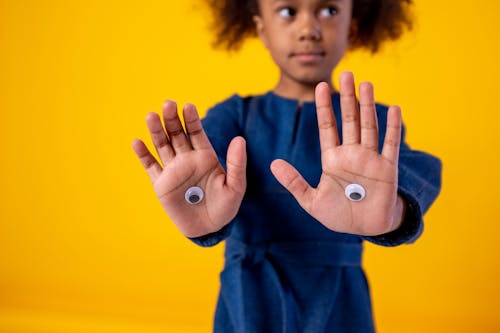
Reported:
(293, 252)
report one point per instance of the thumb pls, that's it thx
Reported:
(236, 165)
(293, 181)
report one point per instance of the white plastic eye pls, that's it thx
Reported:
(194, 195)
(355, 192)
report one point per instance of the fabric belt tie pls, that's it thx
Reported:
(250, 282)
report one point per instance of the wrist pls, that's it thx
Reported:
(399, 213)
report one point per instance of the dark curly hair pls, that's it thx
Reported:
(377, 21)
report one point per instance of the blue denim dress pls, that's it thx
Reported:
(284, 271)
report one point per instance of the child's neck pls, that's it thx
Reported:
(301, 91)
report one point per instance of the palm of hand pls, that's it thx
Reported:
(354, 164)
(195, 168)
(189, 160)
(356, 160)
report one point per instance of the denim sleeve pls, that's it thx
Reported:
(221, 124)
(419, 183)
(213, 238)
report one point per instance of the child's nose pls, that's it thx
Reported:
(309, 27)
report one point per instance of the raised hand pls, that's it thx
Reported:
(189, 160)
(356, 160)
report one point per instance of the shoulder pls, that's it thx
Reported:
(237, 107)
(238, 102)
(224, 113)
(233, 102)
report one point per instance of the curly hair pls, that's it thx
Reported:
(376, 21)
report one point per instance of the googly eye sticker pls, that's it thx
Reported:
(355, 192)
(194, 195)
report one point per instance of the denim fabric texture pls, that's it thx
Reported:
(284, 271)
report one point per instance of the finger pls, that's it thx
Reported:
(148, 161)
(369, 126)
(328, 132)
(159, 138)
(349, 108)
(194, 128)
(236, 165)
(293, 181)
(174, 128)
(392, 139)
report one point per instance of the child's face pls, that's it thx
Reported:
(306, 38)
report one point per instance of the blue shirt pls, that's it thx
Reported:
(284, 271)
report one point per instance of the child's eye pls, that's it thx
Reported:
(328, 11)
(287, 12)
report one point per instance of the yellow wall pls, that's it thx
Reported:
(84, 245)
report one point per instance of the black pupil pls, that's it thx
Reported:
(355, 196)
(194, 198)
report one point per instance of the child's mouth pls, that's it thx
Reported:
(308, 57)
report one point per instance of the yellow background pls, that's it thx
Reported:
(85, 246)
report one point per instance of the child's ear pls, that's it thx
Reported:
(259, 28)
